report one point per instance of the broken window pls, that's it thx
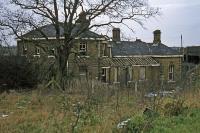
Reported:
(83, 48)
(171, 72)
(142, 73)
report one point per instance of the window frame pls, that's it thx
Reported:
(105, 74)
(171, 72)
(37, 51)
(83, 48)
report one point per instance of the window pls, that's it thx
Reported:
(37, 51)
(142, 73)
(83, 70)
(52, 51)
(24, 49)
(83, 48)
(103, 75)
(116, 71)
(171, 72)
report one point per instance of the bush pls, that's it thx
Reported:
(138, 124)
(174, 108)
(17, 72)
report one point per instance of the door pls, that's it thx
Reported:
(124, 76)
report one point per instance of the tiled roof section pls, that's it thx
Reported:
(128, 48)
(113, 62)
(130, 61)
(84, 61)
(49, 31)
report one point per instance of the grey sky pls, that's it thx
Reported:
(178, 17)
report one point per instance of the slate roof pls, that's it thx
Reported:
(130, 48)
(113, 62)
(49, 31)
(193, 50)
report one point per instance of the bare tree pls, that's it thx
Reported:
(86, 14)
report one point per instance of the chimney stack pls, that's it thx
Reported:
(116, 34)
(157, 36)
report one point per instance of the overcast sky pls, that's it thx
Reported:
(178, 17)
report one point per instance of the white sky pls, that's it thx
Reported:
(178, 17)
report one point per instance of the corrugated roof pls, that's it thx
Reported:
(130, 61)
(129, 48)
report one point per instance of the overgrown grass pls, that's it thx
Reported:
(185, 123)
(84, 110)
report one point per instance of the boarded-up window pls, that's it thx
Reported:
(142, 73)
(171, 72)
(130, 73)
(103, 49)
(83, 70)
(116, 74)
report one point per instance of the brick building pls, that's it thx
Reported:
(135, 64)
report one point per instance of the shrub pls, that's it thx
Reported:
(17, 72)
(174, 108)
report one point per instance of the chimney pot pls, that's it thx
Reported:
(138, 40)
(116, 34)
(157, 36)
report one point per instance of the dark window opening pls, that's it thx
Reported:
(83, 48)
(37, 51)
(52, 52)
(103, 75)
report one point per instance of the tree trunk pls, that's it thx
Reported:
(61, 62)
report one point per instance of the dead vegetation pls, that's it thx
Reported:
(87, 108)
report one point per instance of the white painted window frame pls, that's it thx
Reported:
(171, 72)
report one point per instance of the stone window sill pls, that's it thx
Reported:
(171, 81)
(36, 55)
